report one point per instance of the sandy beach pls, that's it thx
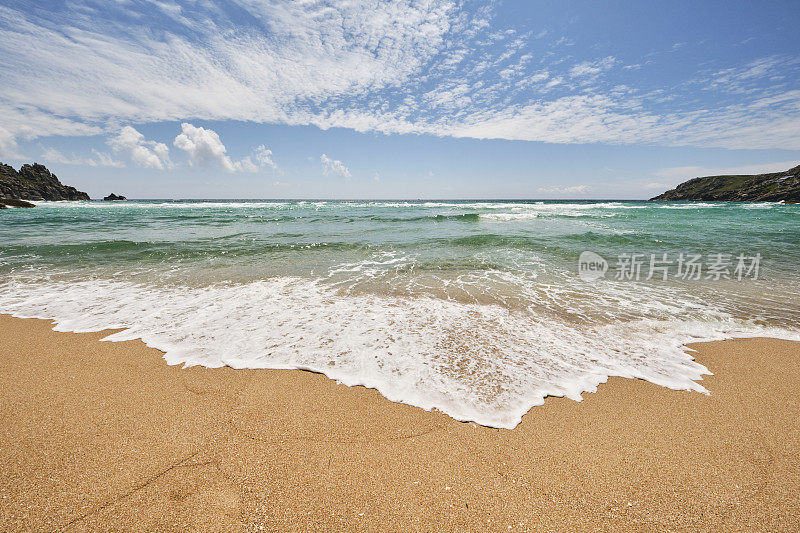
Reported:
(101, 435)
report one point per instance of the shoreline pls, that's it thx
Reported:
(100, 435)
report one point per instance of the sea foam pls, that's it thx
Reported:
(481, 363)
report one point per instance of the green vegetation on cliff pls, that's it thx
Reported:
(773, 187)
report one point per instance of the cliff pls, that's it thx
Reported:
(35, 182)
(772, 187)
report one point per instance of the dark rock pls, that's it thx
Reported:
(772, 187)
(35, 182)
(113, 198)
(12, 202)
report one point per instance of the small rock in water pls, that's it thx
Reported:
(13, 202)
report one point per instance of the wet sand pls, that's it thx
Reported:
(100, 435)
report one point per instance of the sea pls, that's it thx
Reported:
(479, 309)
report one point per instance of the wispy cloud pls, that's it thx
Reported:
(264, 157)
(657, 185)
(398, 67)
(750, 77)
(676, 175)
(571, 189)
(333, 166)
(592, 68)
(98, 159)
(8, 144)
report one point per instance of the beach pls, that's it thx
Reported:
(410, 265)
(105, 435)
(477, 309)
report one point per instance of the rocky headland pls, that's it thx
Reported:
(772, 187)
(33, 182)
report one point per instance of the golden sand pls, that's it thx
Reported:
(99, 435)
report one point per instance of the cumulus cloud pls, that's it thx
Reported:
(132, 144)
(333, 166)
(204, 148)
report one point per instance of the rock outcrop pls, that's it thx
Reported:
(773, 187)
(35, 182)
(113, 198)
(13, 202)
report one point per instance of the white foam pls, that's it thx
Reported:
(481, 363)
(690, 205)
(505, 217)
(128, 204)
(761, 205)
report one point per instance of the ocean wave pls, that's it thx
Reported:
(481, 363)
(474, 308)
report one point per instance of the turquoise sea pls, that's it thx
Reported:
(476, 308)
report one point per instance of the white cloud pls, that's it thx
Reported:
(333, 166)
(204, 148)
(8, 144)
(572, 189)
(403, 66)
(657, 185)
(98, 159)
(264, 157)
(102, 159)
(740, 79)
(286, 56)
(51, 155)
(558, 80)
(592, 68)
(679, 174)
(132, 144)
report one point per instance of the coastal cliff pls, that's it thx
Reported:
(34, 182)
(772, 187)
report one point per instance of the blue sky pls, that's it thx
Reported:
(405, 99)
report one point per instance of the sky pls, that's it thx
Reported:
(398, 99)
